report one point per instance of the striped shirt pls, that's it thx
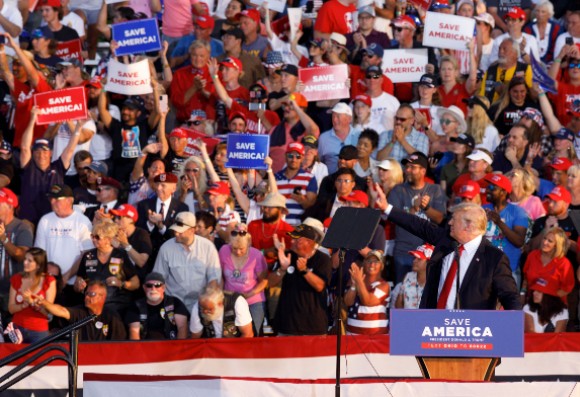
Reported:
(303, 180)
(369, 320)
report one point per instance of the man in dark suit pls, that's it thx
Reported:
(158, 213)
(107, 195)
(485, 275)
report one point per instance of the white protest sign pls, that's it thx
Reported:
(405, 66)
(129, 79)
(274, 5)
(294, 17)
(447, 31)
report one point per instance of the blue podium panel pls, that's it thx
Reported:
(457, 333)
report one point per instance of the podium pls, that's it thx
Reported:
(458, 368)
(464, 345)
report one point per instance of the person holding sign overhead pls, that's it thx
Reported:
(484, 273)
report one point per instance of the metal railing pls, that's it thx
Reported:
(70, 357)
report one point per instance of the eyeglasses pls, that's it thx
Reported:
(194, 170)
(240, 233)
(293, 156)
(401, 119)
(181, 224)
(196, 122)
(574, 65)
(368, 55)
(91, 294)
(447, 121)
(344, 180)
(100, 189)
(96, 237)
(373, 76)
(398, 29)
(153, 285)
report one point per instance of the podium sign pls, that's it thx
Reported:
(457, 333)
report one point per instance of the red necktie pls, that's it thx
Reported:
(442, 301)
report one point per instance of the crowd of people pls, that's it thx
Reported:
(134, 215)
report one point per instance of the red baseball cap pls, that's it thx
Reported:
(178, 133)
(499, 181)
(126, 210)
(560, 194)
(405, 21)
(515, 13)
(469, 190)
(167, 177)
(220, 187)
(231, 62)
(560, 164)
(50, 3)
(356, 195)
(95, 82)
(205, 22)
(7, 196)
(364, 99)
(295, 147)
(108, 181)
(423, 251)
(252, 14)
(233, 115)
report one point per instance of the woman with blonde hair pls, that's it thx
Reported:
(479, 125)
(549, 265)
(452, 91)
(110, 265)
(573, 185)
(193, 184)
(523, 188)
(245, 271)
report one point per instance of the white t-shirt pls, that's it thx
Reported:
(86, 4)
(383, 110)
(490, 138)
(561, 42)
(486, 56)
(102, 144)
(539, 328)
(435, 124)
(11, 12)
(64, 239)
(285, 49)
(63, 137)
(243, 317)
(73, 21)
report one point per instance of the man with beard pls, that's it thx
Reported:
(507, 223)
(304, 273)
(188, 262)
(371, 56)
(415, 196)
(107, 326)
(158, 315)
(497, 78)
(131, 134)
(515, 20)
(517, 152)
(220, 314)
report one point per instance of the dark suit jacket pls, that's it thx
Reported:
(488, 279)
(157, 239)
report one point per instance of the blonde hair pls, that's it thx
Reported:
(473, 215)
(525, 178)
(452, 60)
(574, 170)
(560, 240)
(479, 120)
(395, 174)
(246, 238)
(106, 228)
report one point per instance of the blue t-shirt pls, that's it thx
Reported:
(512, 216)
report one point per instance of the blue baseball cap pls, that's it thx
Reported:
(374, 49)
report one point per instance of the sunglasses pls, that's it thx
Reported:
(196, 122)
(96, 237)
(447, 121)
(240, 233)
(153, 285)
(574, 65)
(367, 55)
(373, 76)
(398, 29)
(294, 156)
(401, 119)
(194, 170)
(100, 189)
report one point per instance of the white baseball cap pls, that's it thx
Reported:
(342, 108)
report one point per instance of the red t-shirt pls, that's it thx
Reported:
(358, 86)
(263, 235)
(454, 97)
(333, 16)
(23, 100)
(182, 80)
(567, 94)
(558, 272)
(30, 318)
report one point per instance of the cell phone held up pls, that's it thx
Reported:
(569, 40)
